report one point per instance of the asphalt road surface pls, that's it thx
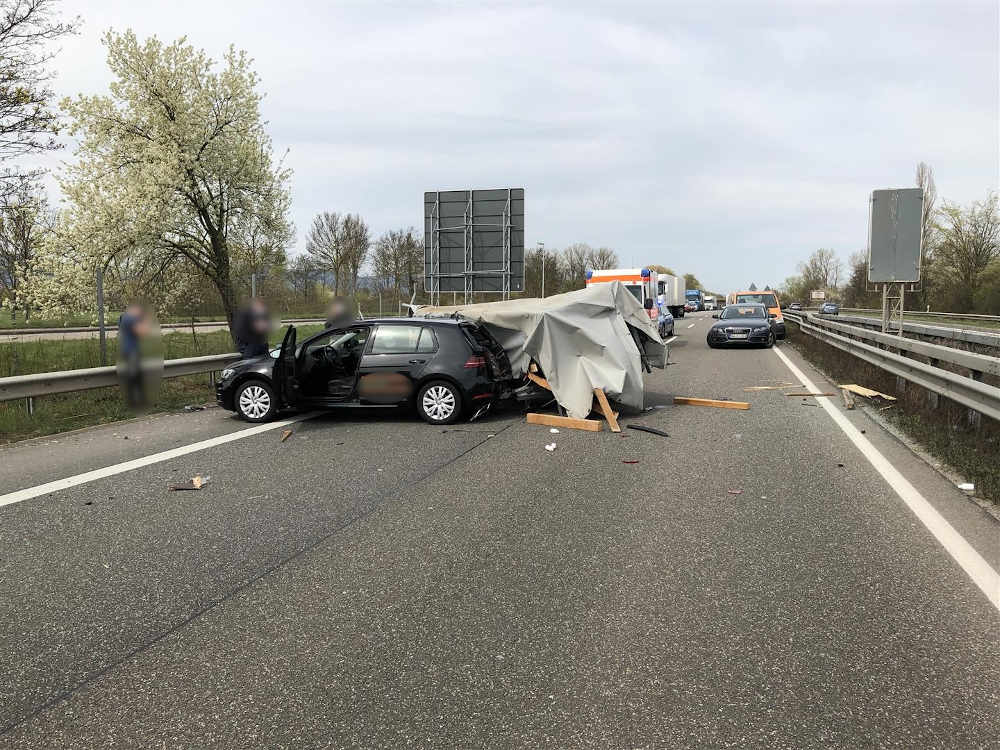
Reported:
(377, 582)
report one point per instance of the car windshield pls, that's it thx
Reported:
(743, 311)
(760, 299)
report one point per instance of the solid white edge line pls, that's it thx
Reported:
(137, 463)
(980, 571)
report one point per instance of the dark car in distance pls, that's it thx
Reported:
(829, 308)
(742, 325)
(443, 367)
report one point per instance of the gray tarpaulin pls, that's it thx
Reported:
(582, 340)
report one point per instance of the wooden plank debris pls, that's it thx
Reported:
(848, 398)
(539, 380)
(711, 402)
(591, 425)
(609, 415)
(806, 393)
(768, 388)
(866, 392)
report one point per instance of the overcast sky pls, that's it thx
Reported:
(724, 139)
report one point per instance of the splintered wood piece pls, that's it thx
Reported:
(572, 423)
(538, 380)
(606, 410)
(803, 393)
(866, 392)
(711, 402)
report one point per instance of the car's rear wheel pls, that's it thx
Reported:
(439, 402)
(255, 401)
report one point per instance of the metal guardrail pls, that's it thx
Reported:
(970, 316)
(113, 328)
(966, 390)
(47, 383)
(968, 335)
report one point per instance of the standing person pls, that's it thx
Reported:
(133, 325)
(251, 326)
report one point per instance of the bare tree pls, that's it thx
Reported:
(28, 122)
(575, 260)
(603, 258)
(303, 275)
(968, 241)
(822, 270)
(925, 181)
(325, 245)
(356, 247)
(22, 216)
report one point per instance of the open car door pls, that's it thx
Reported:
(285, 374)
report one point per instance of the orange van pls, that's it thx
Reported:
(769, 299)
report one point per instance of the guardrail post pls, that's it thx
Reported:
(211, 379)
(31, 406)
(975, 418)
(932, 396)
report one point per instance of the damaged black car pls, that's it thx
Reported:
(443, 368)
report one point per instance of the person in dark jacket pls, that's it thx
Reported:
(251, 327)
(133, 326)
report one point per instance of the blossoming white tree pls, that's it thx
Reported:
(174, 179)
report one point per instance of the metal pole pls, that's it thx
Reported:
(253, 284)
(100, 317)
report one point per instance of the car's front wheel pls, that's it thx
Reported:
(770, 340)
(439, 402)
(255, 401)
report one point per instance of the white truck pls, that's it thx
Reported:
(710, 302)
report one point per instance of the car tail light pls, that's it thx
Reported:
(476, 360)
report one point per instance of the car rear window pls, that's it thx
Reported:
(760, 299)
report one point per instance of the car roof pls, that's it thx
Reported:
(410, 321)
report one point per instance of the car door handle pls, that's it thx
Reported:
(417, 361)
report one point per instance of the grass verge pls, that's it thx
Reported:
(71, 411)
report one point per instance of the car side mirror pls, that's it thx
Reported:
(715, 316)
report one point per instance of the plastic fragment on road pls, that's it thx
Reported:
(967, 487)
(194, 407)
(735, 492)
(644, 428)
(195, 483)
(550, 447)
(554, 431)
(630, 461)
(285, 434)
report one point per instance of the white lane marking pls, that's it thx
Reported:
(980, 571)
(137, 463)
(691, 326)
(669, 340)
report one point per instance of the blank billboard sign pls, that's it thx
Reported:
(894, 244)
(474, 240)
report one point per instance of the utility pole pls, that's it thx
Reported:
(253, 283)
(541, 250)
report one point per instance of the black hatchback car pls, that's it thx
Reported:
(443, 366)
(742, 325)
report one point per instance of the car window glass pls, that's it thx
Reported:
(341, 339)
(427, 341)
(396, 339)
